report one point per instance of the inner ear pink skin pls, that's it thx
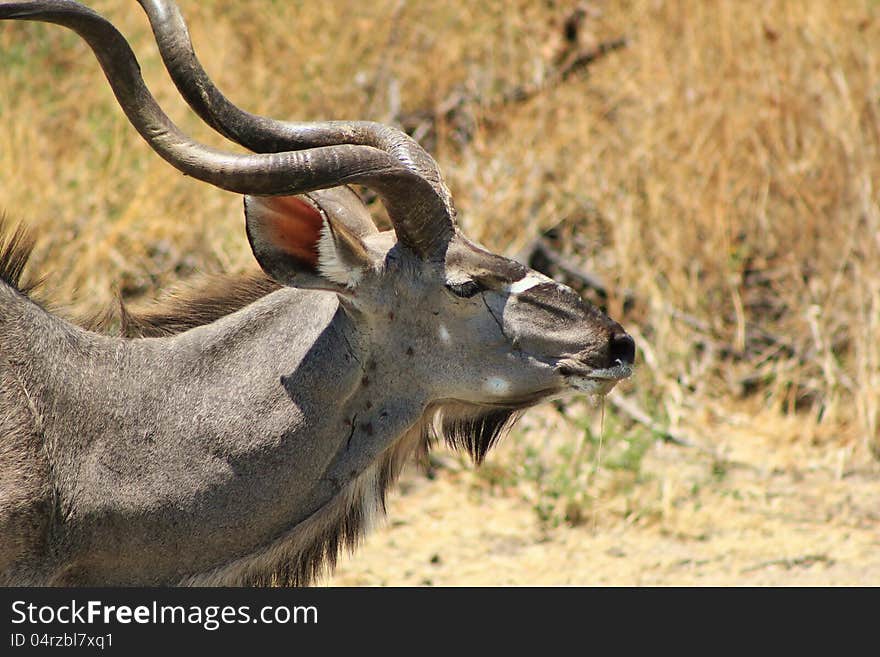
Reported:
(293, 226)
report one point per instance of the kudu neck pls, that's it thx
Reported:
(220, 440)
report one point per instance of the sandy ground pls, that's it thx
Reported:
(761, 523)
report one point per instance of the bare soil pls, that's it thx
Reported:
(760, 522)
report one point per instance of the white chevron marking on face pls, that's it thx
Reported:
(527, 282)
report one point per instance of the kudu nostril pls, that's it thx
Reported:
(622, 348)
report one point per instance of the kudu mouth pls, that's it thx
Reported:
(594, 381)
(600, 380)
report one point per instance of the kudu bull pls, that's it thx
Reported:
(259, 434)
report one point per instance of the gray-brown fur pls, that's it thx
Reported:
(247, 429)
(196, 303)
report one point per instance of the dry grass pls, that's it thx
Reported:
(720, 173)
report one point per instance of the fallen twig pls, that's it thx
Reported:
(571, 64)
(457, 109)
(805, 561)
(633, 411)
(539, 249)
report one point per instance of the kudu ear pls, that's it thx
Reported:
(313, 240)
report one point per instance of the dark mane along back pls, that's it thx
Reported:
(204, 300)
(16, 247)
(201, 301)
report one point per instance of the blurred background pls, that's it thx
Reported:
(707, 172)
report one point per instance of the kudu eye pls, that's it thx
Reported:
(465, 290)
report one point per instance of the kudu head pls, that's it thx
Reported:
(470, 326)
(479, 328)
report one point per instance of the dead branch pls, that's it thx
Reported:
(633, 411)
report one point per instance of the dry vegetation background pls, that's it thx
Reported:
(719, 173)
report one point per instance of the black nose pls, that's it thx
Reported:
(622, 348)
